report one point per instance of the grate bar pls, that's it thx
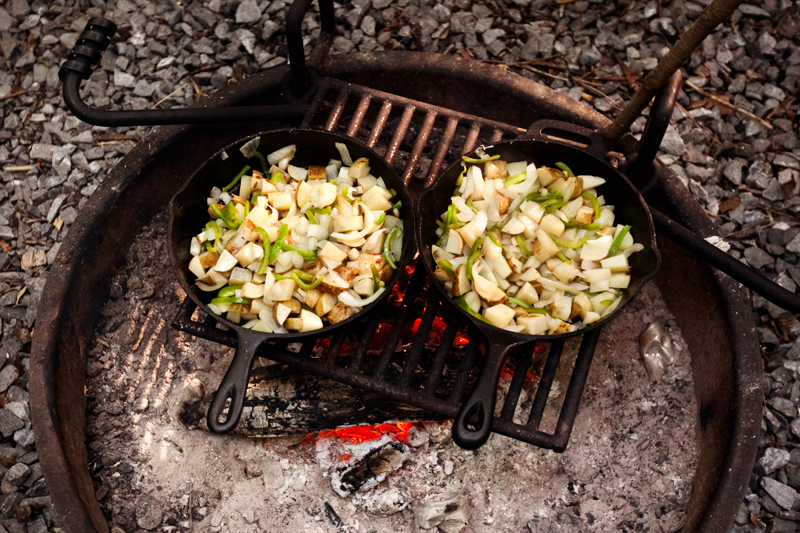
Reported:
(335, 347)
(380, 123)
(400, 321)
(444, 144)
(472, 137)
(467, 364)
(399, 133)
(497, 136)
(576, 383)
(358, 116)
(440, 359)
(364, 340)
(523, 363)
(415, 353)
(338, 109)
(422, 140)
(545, 382)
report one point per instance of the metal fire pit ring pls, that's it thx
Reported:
(725, 357)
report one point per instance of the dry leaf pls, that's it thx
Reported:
(19, 295)
(58, 222)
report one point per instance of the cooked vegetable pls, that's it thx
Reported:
(323, 237)
(529, 249)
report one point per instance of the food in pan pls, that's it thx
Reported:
(292, 248)
(531, 250)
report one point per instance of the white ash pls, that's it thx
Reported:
(618, 469)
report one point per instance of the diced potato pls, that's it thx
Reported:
(359, 169)
(598, 274)
(208, 259)
(281, 312)
(561, 328)
(552, 225)
(282, 290)
(367, 182)
(503, 203)
(548, 175)
(317, 173)
(462, 284)
(590, 182)
(545, 248)
(600, 286)
(572, 208)
(514, 227)
(495, 170)
(455, 243)
(365, 260)
(294, 324)
(377, 199)
(311, 322)
(533, 210)
(340, 312)
(226, 262)
(527, 294)
(252, 291)
(347, 273)
(282, 201)
(534, 324)
(196, 267)
(500, 315)
(561, 307)
(584, 215)
(312, 297)
(249, 253)
(580, 305)
(619, 281)
(325, 304)
(240, 276)
(212, 281)
(323, 195)
(591, 317)
(473, 301)
(364, 287)
(330, 286)
(303, 193)
(333, 252)
(565, 272)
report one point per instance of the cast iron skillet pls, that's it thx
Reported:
(188, 216)
(473, 424)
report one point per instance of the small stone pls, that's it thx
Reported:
(772, 460)
(37, 526)
(779, 525)
(757, 257)
(123, 79)
(752, 11)
(773, 192)
(784, 406)
(69, 215)
(9, 423)
(783, 494)
(733, 171)
(247, 12)
(33, 258)
(387, 502)
(14, 477)
(149, 512)
(767, 43)
(8, 376)
(672, 143)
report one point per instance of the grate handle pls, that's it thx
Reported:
(546, 130)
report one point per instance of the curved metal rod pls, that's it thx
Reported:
(639, 171)
(726, 263)
(294, 39)
(210, 115)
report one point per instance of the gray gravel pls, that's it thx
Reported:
(745, 175)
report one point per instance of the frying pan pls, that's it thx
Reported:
(473, 423)
(188, 216)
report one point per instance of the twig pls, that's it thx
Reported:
(19, 168)
(782, 107)
(597, 92)
(543, 73)
(13, 95)
(721, 101)
(712, 138)
(169, 96)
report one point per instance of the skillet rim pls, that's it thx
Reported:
(497, 335)
(407, 216)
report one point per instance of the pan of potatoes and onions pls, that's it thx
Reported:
(290, 234)
(532, 240)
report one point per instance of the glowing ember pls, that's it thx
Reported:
(361, 434)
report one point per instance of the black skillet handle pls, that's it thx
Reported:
(549, 130)
(640, 170)
(473, 424)
(234, 384)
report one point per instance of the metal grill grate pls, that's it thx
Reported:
(419, 140)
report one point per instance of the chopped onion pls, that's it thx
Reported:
(346, 159)
(250, 147)
(266, 316)
(348, 299)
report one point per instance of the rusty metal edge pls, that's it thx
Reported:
(375, 69)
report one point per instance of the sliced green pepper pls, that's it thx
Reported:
(469, 204)
(376, 278)
(531, 310)
(618, 241)
(521, 244)
(515, 179)
(222, 216)
(595, 205)
(588, 227)
(462, 303)
(236, 179)
(276, 246)
(565, 168)
(474, 252)
(563, 258)
(311, 218)
(231, 300)
(387, 246)
(255, 196)
(573, 245)
(460, 179)
(263, 162)
(262, 268)
(213, 225)
(383, 216)
(494, 239)
(307, 256)
(302, 284)
(447, 266)
(397, 205)
(227, 292)
(319, 210)
(479, 161)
